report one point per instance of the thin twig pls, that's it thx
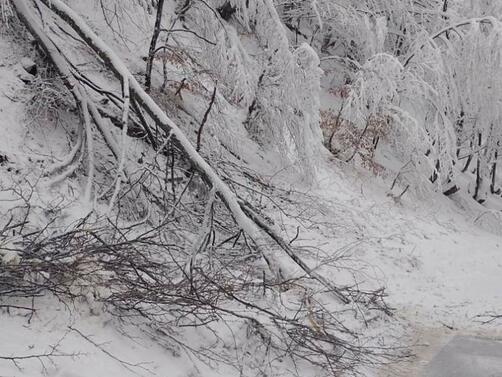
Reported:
(204, 119)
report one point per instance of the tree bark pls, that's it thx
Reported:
(494, 175)
(479, 177)
(153, 45)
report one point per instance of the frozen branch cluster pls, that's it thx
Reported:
(427, 69)
(271, 82)
(180, 234)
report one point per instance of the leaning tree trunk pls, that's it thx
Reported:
(247, 219)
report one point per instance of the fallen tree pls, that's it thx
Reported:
(141, 283)
(132, 88)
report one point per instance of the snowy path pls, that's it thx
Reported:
(440, 269)
(456, 277)
(467, 357)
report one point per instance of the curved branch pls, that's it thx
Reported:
(484, 20)
(169, 31)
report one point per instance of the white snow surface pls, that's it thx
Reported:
(440, 267)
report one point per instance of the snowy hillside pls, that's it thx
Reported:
(247, 188)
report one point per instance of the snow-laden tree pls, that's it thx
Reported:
(426, 71)
(399, 104)
(276, 86)
(342, 27)
(474, 69)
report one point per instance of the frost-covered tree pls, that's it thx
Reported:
(275, 85)
(474, 70)
(428, 69)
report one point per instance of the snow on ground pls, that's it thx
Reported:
(86, 345)
(440, 268)
(467, 357)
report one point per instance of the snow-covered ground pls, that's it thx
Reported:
(440, 271)
(467, 357)
(440, 268)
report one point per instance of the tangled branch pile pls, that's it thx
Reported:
(200, 253)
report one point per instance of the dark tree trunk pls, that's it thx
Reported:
(452, 190)
(479, 177)
(153, 45)
(494, 175)
(467, 164)
(469, 159)
(445, 9)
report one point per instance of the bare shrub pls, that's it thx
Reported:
(204, 255)
(45, 96)
(345, 140)
(192, 268)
